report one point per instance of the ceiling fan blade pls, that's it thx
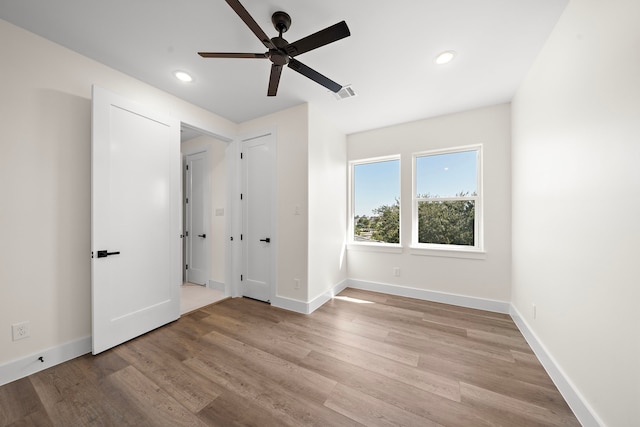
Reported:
(321, 38)
(251, 23)
(274, 79)
(231, 55)
(298, 66)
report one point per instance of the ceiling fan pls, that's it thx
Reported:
(281, 52)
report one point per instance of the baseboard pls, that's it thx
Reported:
(290, 304)
(582, 410)
(28, 365)
(218, 286)
(318, 301)
(423, 294)
(311, 306)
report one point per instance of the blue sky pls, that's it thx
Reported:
(378, 184)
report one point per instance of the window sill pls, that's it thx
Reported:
(375, 247)
(448, 252)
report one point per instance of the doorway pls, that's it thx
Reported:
(204, 174)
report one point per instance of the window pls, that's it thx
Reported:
(376, 201)
(447, 203)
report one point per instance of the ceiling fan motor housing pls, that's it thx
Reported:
(278, 55)
(282, 21)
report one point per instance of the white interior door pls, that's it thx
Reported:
(258, 245)
(135, 213)
(197, 232)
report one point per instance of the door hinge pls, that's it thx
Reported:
(240, 196)
(186, 266)
(240, 156)
(187, 200)
(186, 233)
(241, 237)
(187, 167)
(241, 278)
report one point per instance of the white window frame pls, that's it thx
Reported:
(372, 246)
(443, 249)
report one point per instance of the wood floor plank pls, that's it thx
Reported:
(350, 402)
(191, 390)
(158, 406)
(18, 400)
(245, 332)
(427, 381)
(271, 397)
(504, 407)
(380, 348)
(411, 399)
(69, 392)
(233, 410)
(290, 375)
(450, 344)
(364, 358)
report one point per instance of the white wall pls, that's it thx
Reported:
(327, 205)
(45, 138)
(487, 278)
(576, 203)
(218, 178)
(292, 240)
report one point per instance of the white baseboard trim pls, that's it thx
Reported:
(218, 286)
(423, 294)
(28, 365)
(318, 301)
(289, 304)
(582, 410)
(311, 306)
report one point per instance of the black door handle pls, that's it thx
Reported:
(266, 240)
(204, 236)
(105, 253)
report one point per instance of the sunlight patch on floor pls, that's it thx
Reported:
(356, 300)
(193, 297)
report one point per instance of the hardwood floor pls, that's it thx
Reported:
(361, 359)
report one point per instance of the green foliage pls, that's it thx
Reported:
(387, 224)
(383, 226)
(439, 222)
(446, 222)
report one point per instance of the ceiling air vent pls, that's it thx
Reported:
(345, 92)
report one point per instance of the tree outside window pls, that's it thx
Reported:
(376, 206)
(447, 198)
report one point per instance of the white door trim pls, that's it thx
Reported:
(232, 208)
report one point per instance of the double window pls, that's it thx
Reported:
(447, 200)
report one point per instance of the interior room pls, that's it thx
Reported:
(318, 318)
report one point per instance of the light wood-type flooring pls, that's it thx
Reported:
(361, 359)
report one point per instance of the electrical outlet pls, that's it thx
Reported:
(396, 271)
(20, 330)
(296, 283)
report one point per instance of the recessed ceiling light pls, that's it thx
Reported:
(445, 57)
(183, 76)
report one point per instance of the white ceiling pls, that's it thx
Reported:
(388, 58)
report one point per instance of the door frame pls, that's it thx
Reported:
(206, 211)
(233, 208)
(232, 276)
(271, 133)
